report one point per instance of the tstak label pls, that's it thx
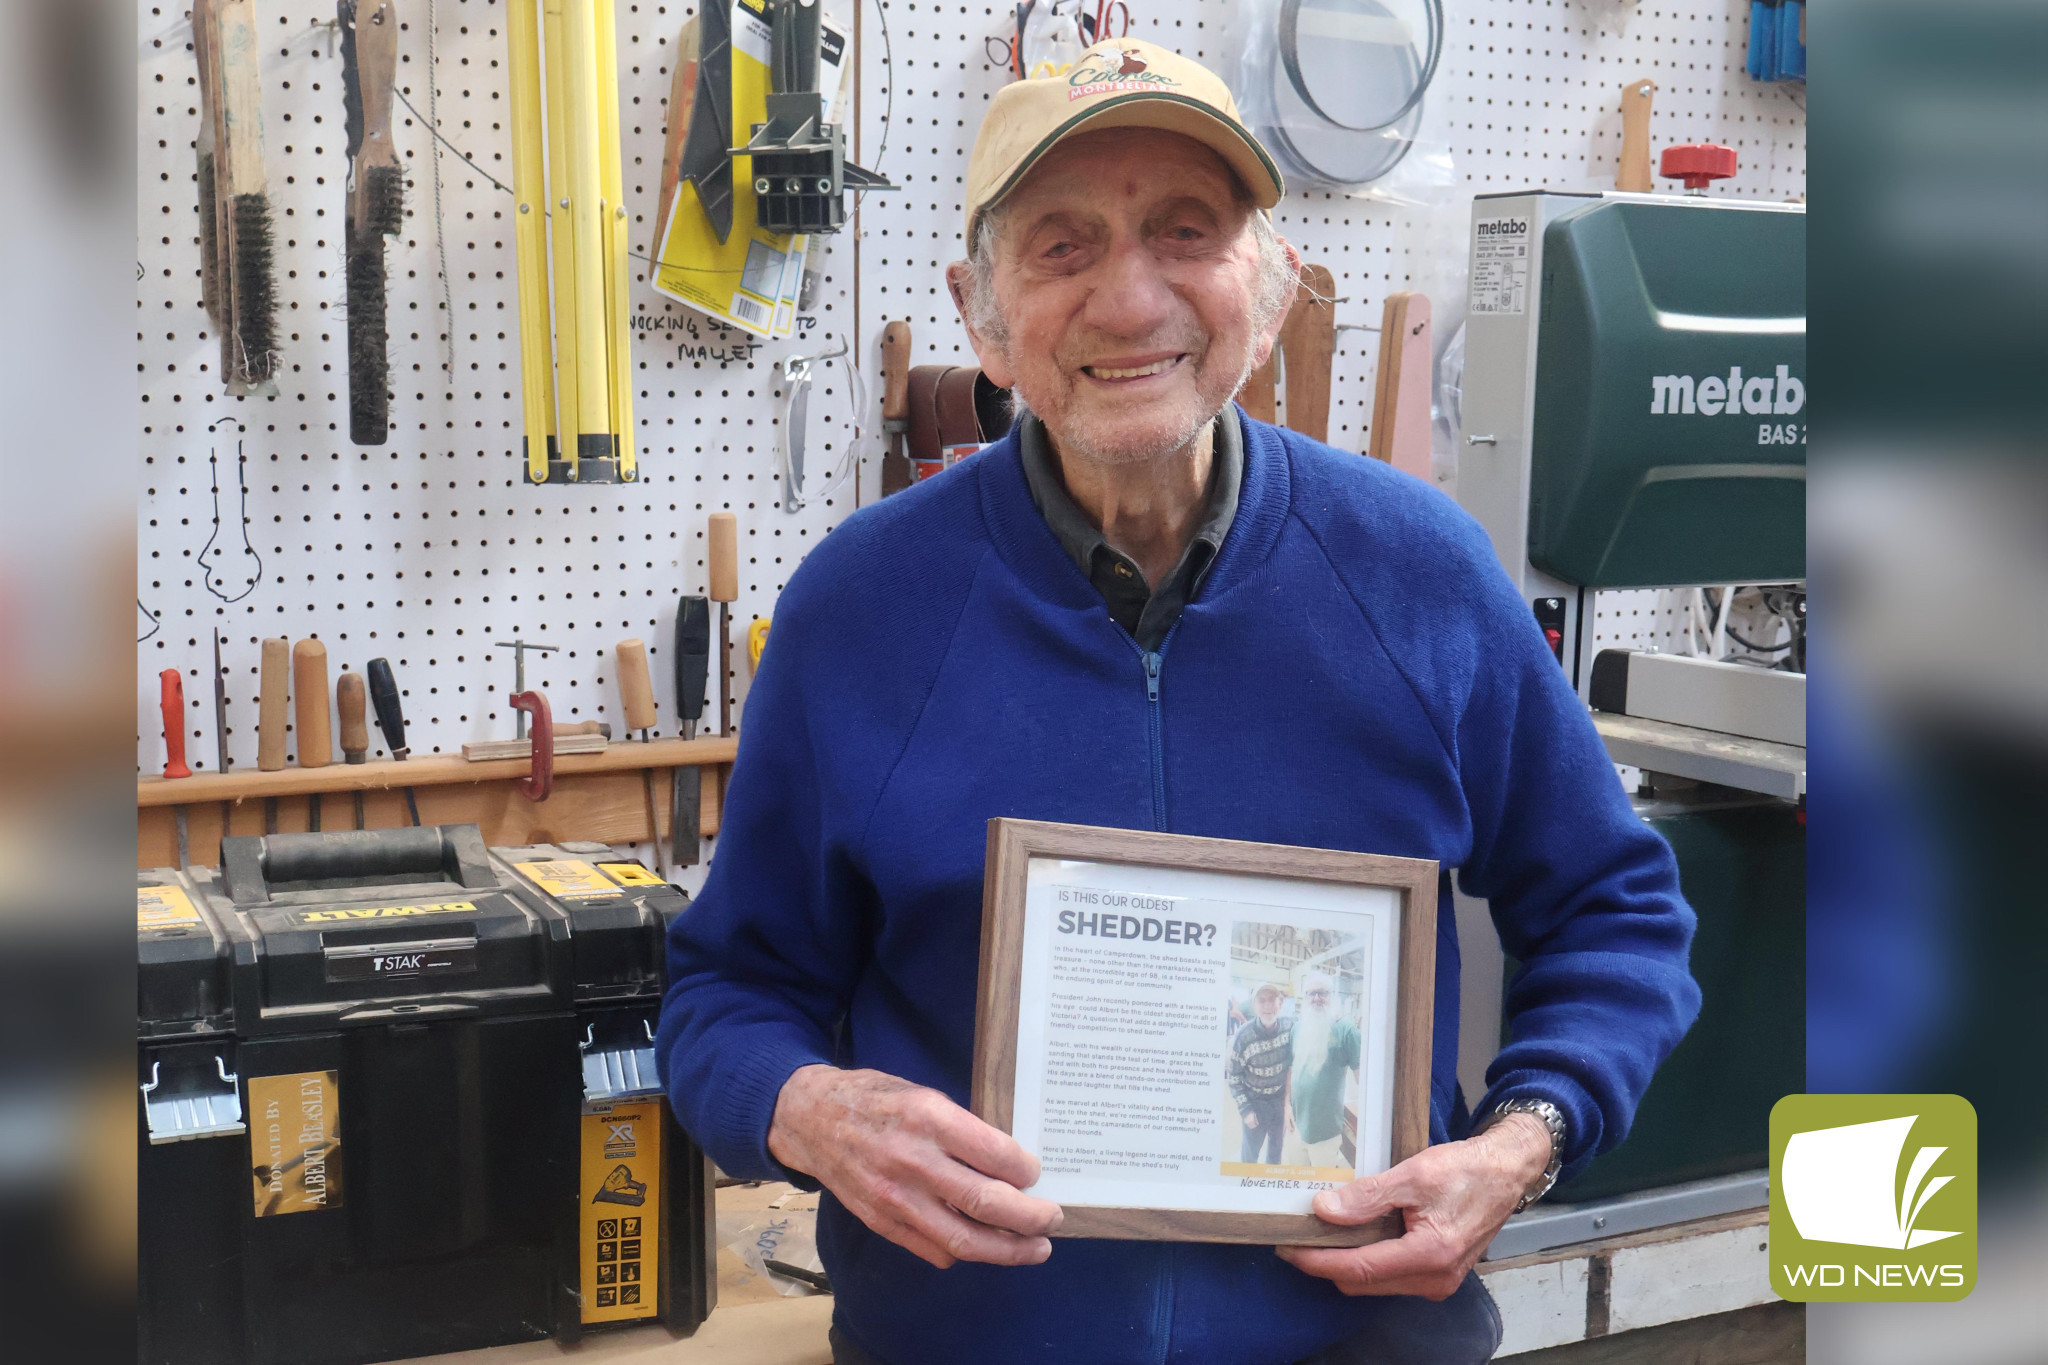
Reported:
(390, 961)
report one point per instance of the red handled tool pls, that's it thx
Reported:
(542, 781)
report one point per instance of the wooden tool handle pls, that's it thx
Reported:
(274, 690)
(309, 699)
(583, 727)
(636, 686)
(722, 557)
(1259, 396)
(237, 49)
(1633, 172)
(1309, 339)
(376, 71)
(896, 371)
(351, 700)
(173, 688)
(1401, 391)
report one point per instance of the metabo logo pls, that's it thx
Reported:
(1873, 1198)
(1779, 395)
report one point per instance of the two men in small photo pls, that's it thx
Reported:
(1286, 1076)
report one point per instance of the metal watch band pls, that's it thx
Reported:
(1553, 1119)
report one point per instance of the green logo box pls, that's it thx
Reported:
(1873, 1198)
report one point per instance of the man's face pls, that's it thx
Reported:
(1268, 1006)
(1127, 273)
(1317, 998)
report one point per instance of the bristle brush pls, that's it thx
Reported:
(375, 210)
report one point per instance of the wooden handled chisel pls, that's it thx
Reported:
(309, 698)
(722, 569)
(692, 666)
(636, 697)
(349, 698)
(896, 406)
(274, 690)
(173, 701)
(391, 720)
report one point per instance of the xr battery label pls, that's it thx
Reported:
(164, 907)
(621, 1210)
(570, 879)
(295, 1142)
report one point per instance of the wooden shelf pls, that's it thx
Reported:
(601, 797)
(434, 771)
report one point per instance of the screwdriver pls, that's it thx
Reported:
(355, 731)
(220, 728)
(273, 684)
(391, 720)
(173, 688)
(636, 696)
(693, 662)
(309, 697)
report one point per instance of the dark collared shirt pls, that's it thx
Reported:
(1145, 613)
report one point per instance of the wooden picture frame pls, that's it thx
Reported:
(1293, 877)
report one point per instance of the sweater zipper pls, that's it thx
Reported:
(1154, 661)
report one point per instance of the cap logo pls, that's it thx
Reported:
(1106, 70)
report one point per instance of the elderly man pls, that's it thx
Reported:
(1142, 609)
(1256, 1071)
(1326, 1048)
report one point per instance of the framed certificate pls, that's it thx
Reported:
(1196, 1035)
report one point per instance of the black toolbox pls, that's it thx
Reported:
(398, 1098)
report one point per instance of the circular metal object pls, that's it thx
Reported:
(1357, 69)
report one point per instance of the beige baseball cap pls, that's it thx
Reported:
(1118, 83)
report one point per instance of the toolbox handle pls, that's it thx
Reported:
(399, 1013)
(250, 863)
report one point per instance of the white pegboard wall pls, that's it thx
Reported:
(428, 549)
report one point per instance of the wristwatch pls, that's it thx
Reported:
(1553, 1119)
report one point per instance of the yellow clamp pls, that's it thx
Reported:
(757, 640)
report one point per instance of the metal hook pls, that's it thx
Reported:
(795, 365)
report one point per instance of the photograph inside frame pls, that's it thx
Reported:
(1291, 1072)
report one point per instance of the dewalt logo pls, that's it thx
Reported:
(386, 912)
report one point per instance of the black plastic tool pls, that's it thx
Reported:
(693, 665)
(391, 720)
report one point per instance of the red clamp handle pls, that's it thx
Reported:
(542, 781)
(174, 723)
(1697, 163)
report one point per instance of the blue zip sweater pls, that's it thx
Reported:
(1357, 673)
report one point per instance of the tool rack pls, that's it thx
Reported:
(596, 797)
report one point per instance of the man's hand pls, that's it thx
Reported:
(1251, 1118)
(914, 1166)
(1454, 1198)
